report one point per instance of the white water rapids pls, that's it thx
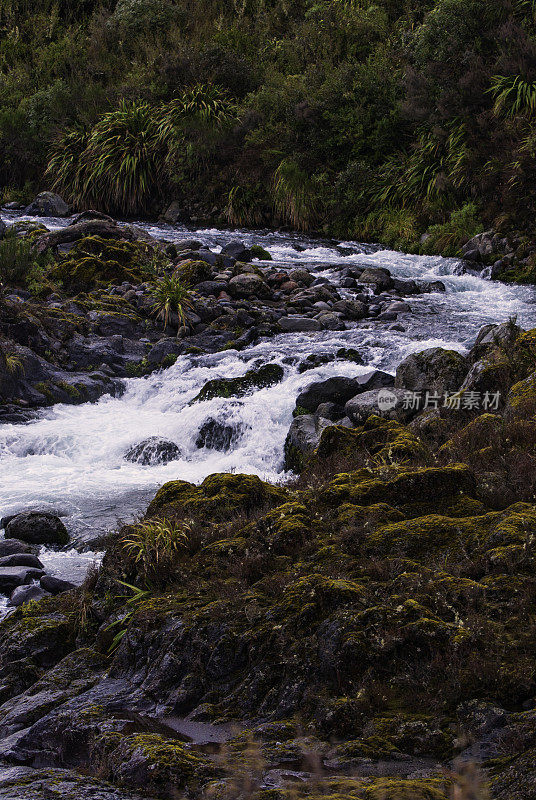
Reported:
(70, 458)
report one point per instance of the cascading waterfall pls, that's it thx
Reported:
(71, 458)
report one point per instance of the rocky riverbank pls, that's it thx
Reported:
(364, 632)
(91, 320)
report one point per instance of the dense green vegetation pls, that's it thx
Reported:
(365, 120)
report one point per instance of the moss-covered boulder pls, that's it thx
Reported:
(267, 375)
(95, 261)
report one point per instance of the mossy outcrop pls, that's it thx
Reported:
(94, 261)
(260, 378)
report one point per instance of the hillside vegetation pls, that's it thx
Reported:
(370, 120)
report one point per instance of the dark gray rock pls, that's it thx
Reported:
(379, 277)
(340, 390)
(38, 527)
(154, 450)
(48, 204)
(435, 370)
(10, 547)
(55, 585)
(248, 285)
(303, 439)
(21, 560)
(238, 251)
(217, 435)
(299, 324)
(387, 403)
(25, 594)
(11, 577)
(164, 348)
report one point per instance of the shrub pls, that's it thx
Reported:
(447, 239)
(156, 547)
(170, 294)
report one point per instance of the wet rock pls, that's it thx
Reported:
(38, 527)
(25, 594)
(164, 350)
(379, 277)
(435, 370)
(10, 547)
(388, 403)
(331, 322)
(47, 204)
(303, 439)
(11, 577)
(299, 324)
(217, 435)
(21, 560)
(237, 250)
(266, 375)
(248, 285)
(152, 451)
(340, 390)
(174, 213)
(55, 585)
(25, 783)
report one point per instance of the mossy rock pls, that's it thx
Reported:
(94, 261)
(259, 252)
(387, 441)
(286, 527)
(398, 789)
(260, 378)
(218, 497)
(521, 400)
(191, 273)
(427, 484)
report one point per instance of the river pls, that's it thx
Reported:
(70, 458)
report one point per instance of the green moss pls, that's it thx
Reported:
(398, 789)
(94, 261)
(193, 272)
(259, 252)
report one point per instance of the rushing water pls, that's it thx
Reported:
(70, 459)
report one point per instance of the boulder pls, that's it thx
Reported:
(237, 250)
(24, 594)
(21, 560)
(303, 439)
(387, 403)
(248, 285)
(331, 322)
(379, 277)
(217, 435)
(47, 204)
(38, 527)
(299, 324)
(55, 585)
(435, 370)
(11, 577)
(173, 213)
(267, 375)
(152, 451)
(340, 390)
(10, 547)
(164, 349)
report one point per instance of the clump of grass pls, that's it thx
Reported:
(16, 258)
(156, 547)
(171, 295)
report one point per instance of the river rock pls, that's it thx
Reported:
(47, 204)
(248, 285)
(10, 547)
(303, 439)
(383, 402)
(267, 375)
(339, 390)
(237, 250)
(379, 277)
(11, 577)
(21, 560)
(217, 435)
(154, 450)
(163, 349)
(38, 527)
(299, 324)
(24, 594)
(435, 370)
(55, 585)
(25, 783)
